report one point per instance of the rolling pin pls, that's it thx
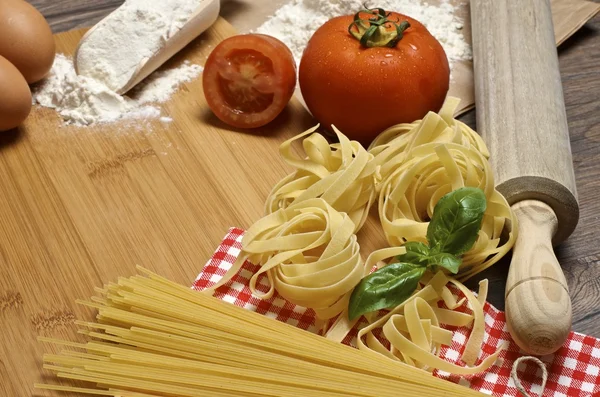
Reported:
(521, 117)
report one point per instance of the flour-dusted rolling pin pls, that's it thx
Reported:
(521, 116)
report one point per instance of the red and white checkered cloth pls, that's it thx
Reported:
(572, 371)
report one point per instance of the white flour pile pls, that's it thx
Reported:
(107, 59)
(82, 100)
(128, 36)
(295, 22)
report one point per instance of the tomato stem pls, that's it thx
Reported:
(374, 31)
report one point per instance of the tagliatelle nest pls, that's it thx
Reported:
(391, 148)
(414, 333)
(428, 160)
(309, 253)
(342, 174)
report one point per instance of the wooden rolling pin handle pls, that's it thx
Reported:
(538, 306)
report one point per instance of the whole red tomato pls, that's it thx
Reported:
(365, 85)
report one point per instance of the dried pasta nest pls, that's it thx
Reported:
(409, 194)
(422, 161)
(393, 146)
(309, 254)
(306, 244)
(415, 337)
(343, 174)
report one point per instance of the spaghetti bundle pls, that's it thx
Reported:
(309, 254)
(153, 337)
(342, 174)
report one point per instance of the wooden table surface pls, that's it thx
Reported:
(580, 69)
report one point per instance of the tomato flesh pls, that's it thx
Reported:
(243, 82)
(249, 79)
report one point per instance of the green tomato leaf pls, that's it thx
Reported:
(447, 261)
(384, 288)
(456, 221)
(416, 253)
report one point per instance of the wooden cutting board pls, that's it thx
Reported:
(81, 206)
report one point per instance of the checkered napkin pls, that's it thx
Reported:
(572, 371)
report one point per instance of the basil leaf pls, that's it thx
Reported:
(456, 221)
(447, 261)
(386, 287)
(416, 252)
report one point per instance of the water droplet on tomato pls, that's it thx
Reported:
(414, 47)
(383, 63)
(388, 55)
(328, 53)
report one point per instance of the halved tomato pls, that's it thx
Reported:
(249, 79)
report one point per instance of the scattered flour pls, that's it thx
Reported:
(163, 83)
(82, 100)
(134, 32)
(295, 22)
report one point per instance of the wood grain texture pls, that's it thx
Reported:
(538, 307)
(522, 114)
(65, 15)
(579, 255)
(57, 243)
(522, 118)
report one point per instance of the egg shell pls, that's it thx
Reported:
(15, 101)
(26, 39)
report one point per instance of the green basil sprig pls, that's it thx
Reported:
(452, 231)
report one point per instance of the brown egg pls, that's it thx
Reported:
(15, 100)
(26, 39)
